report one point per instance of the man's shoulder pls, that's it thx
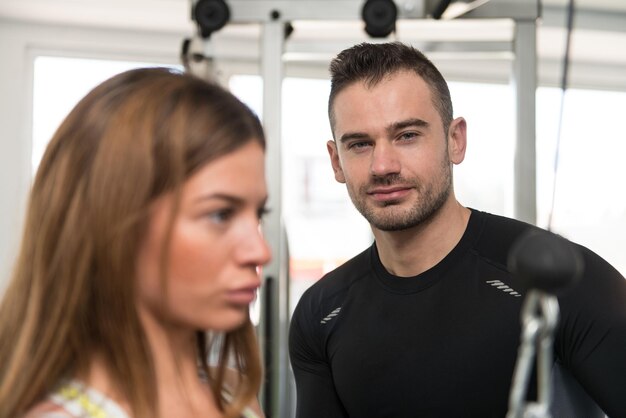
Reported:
(496, 234)
(493, 225)
(336, 283)
(352, 269)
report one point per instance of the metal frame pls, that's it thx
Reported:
(274, 394)
(525, 80)
(258, 11)
(273, 15)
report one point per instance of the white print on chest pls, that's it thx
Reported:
(503, 287)
(331, 315)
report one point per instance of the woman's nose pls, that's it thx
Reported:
(255, 249)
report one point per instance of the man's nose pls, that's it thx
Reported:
(385, 160)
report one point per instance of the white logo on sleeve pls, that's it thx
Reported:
(504, 287)
(331, 315)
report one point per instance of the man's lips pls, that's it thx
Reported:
(389, 193)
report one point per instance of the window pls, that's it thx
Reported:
(590, 202)
(324, 229)
(59, 83)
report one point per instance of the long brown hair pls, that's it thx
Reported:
(132, 138)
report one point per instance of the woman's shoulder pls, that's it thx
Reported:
(74, 399)
(47, 409)
(232, 377)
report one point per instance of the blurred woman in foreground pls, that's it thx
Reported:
(140, 258)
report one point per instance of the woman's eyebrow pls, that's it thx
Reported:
(218, 196)
(233, 199)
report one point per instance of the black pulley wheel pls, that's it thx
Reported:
(545, 261)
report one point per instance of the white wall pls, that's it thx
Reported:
(14, 141)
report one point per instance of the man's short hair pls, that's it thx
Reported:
(370, 63)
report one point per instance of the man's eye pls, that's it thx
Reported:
(407, 136)
(358, 145)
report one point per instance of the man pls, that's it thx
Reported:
(414, 326)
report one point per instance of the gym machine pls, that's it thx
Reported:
(379, 18)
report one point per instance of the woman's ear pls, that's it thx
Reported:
(457, 140)
(334, 161)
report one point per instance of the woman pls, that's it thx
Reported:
(140, 258)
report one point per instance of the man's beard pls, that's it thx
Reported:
(430, 198)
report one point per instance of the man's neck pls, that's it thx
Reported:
(412, 251)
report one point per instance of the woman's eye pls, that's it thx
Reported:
(220, 216)
(262, 212)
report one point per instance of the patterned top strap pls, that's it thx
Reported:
(82, 401)
(85, 402)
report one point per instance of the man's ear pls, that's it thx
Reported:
(334, 161)
(457, 140)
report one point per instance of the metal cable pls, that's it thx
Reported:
(564, 86)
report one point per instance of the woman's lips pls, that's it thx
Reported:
(243, 296)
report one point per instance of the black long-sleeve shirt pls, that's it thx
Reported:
(365, 343)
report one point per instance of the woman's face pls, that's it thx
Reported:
(216, 246)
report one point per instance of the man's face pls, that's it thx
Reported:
(391, 151)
